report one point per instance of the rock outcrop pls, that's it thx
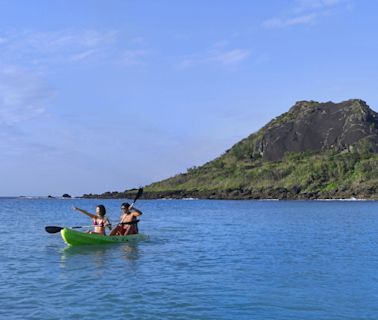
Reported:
(313, 126)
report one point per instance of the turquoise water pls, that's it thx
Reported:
(203, 260)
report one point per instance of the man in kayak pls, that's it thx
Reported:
(127, 222)
(99, 219)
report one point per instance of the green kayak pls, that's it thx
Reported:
(74, 238)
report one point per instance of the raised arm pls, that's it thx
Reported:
(135, 212)
(90, 215)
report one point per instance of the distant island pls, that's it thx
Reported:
(313, 151)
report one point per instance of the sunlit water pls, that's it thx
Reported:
(203, 260)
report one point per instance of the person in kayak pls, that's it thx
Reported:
(99, 219)
(128, 215)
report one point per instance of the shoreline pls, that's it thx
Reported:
(99, 197)
(277, 193)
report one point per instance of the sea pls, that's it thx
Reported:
(203, 259)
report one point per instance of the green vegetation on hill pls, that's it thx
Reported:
(297, 175)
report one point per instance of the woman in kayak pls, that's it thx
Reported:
(127, 222)
(99, 219)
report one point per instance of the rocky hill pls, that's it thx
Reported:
(313, 126)
(315, 150)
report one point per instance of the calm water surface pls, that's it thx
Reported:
(203, 260)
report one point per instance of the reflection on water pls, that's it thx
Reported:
(130, 251)
(99, 254)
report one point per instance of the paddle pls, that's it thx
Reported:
(54, 229)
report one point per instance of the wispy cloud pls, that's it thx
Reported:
(33, 48)
(284, 22)
(219, 53)
(132, 57)
(302, 5)
(61, 40)
(305, 12)
(23, 95)
(82, 55)
(138, 40)
(233, 56)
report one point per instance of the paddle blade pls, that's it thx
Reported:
(139, 193)
(53, 229)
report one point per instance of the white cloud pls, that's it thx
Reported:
(66, 40)
(305, 12)
(221, 44)
(22, 95)
(284, 22)
(316, 4)
(218, 54)
(82, 55)
(231, 56)
(36, 48)
(138, 40)
(132, 57)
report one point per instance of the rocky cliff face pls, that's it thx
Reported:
(313, 126)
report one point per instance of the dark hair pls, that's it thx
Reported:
(125, 204)
(102, 210)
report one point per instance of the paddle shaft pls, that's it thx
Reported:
(137, 196)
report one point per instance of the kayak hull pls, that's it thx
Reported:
(75, 238)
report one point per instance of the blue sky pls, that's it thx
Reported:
(100, 96)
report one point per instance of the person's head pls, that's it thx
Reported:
(100, 210)
(125, 207)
